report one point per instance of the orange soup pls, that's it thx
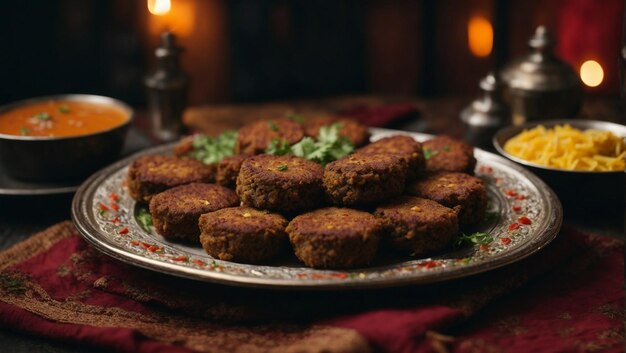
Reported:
(61, 118)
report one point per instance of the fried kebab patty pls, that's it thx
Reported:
(228, 170)
(362, 179)
(184, 146)
(401, 146)
(280, 183)
(335, 237)
(242, 234)
(254, 138)
(150, 175)
(351, 129)
(175, 212)
(444, 153)
(418, 225)
(460, 191)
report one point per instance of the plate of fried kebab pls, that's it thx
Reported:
(324, 203)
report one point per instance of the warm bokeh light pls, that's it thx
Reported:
(159, 7)
(591, 73)
(479, 36)
(179, 19)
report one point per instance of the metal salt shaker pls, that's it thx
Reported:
(167, 91)
(540, 86)
(487, 114)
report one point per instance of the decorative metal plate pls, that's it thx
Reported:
(104, 213)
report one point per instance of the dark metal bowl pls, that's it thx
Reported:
(62, 158)
(580, 189)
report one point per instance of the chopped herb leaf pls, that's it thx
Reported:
(278, 147)
(329, 133)
(480, 238)
(102, 212)
(42, 116)
(211, 150)
(282, 167)
(328, 147)
(429, 153)
(446, 148)
(306, 147)
(273, 126)
(24, 131)
(296, 118)
(144, 218)
(64, 109)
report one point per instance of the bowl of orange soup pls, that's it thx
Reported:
(61, 137)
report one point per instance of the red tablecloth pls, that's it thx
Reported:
(567, 298)
(381, 115)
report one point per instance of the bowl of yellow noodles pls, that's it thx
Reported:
(584, 161)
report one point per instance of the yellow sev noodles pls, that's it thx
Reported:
(565, 147)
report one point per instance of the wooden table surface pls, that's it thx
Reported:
(21, 217)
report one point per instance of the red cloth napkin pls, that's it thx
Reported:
(566, 298)
(380, 115)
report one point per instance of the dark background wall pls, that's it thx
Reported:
(70, 46)
(251, 50)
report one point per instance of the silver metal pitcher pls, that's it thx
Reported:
(540, 86)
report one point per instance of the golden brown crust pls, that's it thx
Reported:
(175, 212)
(450, 155)
(357, 133)
(455, 190)
(254, 138)
(242, 234)
(228, 170)
(418, 225)
(149, 175)
(362, 179)
(401, 146)
(184, 146)
(280, 183)
(335, 237)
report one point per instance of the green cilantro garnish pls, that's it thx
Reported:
(144, 219)
(273, 126)
(64, 109)
(306, 147)
(446, 148)
(429, 153)
(102, 212)
(282, 167)
(278, 147)
(24, 131)
(480, 238)
(296, 118)
(328, 146)
(42, 116)
(211, 150)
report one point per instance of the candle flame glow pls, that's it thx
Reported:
(591, 73)
(479, 36)
(159, 7)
